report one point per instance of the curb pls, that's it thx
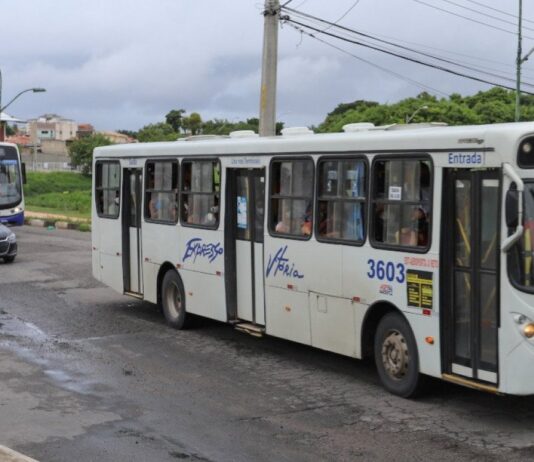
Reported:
(57, 224)
(8, 455)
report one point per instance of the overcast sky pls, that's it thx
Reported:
(126, 63)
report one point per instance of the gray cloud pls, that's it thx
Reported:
(126, 63)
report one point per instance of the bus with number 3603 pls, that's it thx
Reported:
(409, 244)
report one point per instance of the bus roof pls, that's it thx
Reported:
(500, 137)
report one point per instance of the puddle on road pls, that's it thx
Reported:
(26, 339)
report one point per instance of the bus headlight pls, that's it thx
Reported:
(525, 325)
(528, 330)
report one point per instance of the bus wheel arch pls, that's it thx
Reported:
(370, 323)
(387, 336)
(171, 296)
(167, 266)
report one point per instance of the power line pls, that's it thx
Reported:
(344, 14)
(497, 10)
(406, 58)
(388, 71)
(427, 55)
(470, 19)
(477, 58)
(484, 14)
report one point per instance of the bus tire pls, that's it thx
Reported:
(396, 357)
(9, 259)
(173, 300)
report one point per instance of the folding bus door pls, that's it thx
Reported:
(471, 277)
(131, 231)
(244, 244)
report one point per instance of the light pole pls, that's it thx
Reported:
(3, 108)
(410, 118)
(267, 126)
(518, 63)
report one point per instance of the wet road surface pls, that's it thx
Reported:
(89, 375)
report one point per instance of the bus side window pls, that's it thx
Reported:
(341, 200)
(161, 191)
(401, 199)
(291, 210)
(200, 193)
(107, 189)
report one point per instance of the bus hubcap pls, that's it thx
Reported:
(174, 300)
(395, 356)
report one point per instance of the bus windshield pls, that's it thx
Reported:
(10, 184)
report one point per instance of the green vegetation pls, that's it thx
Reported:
(493, 106)
(81, 151)
(178, 125)
(64, 193)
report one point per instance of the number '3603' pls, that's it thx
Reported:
(390, 271)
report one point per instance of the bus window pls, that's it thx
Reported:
(341, 200)
(161, 191)
(291, 197)
(201, 187)
(520, 259)
(107, 189)
(401, 203)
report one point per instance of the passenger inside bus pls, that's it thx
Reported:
(306, 225)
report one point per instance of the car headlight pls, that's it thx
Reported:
(12, 238)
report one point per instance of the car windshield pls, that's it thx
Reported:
(521, 261)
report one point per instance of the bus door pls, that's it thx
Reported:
(131, 230)
(244, 244)
(470, 293)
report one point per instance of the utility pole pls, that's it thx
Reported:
(269, 68)
(519, 62)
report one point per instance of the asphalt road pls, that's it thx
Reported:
(89, 375)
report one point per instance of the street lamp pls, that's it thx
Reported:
(2, 108)
(409, 119)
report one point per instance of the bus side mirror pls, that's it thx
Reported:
(23, 167)
(512, 207)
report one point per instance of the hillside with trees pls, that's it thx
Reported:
(493, 106)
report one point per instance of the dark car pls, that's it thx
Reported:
(8, 244)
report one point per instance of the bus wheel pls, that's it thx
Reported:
(396, 356)
(173, 300)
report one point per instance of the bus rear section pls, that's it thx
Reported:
(11, 179)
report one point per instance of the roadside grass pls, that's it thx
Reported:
(60, 193)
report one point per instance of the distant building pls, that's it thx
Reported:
(19, 138)
(52, 127)
(85, 130)
(118, 138)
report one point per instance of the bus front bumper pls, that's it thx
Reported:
(13, 220)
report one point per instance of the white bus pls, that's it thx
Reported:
(11, 178)
(409, 244)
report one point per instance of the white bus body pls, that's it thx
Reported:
(458, 306)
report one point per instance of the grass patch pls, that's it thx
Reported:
(62, 193)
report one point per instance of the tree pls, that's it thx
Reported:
(81, 151)
(193, 123)
(157, 132)
(485, 107)
(175, 119)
